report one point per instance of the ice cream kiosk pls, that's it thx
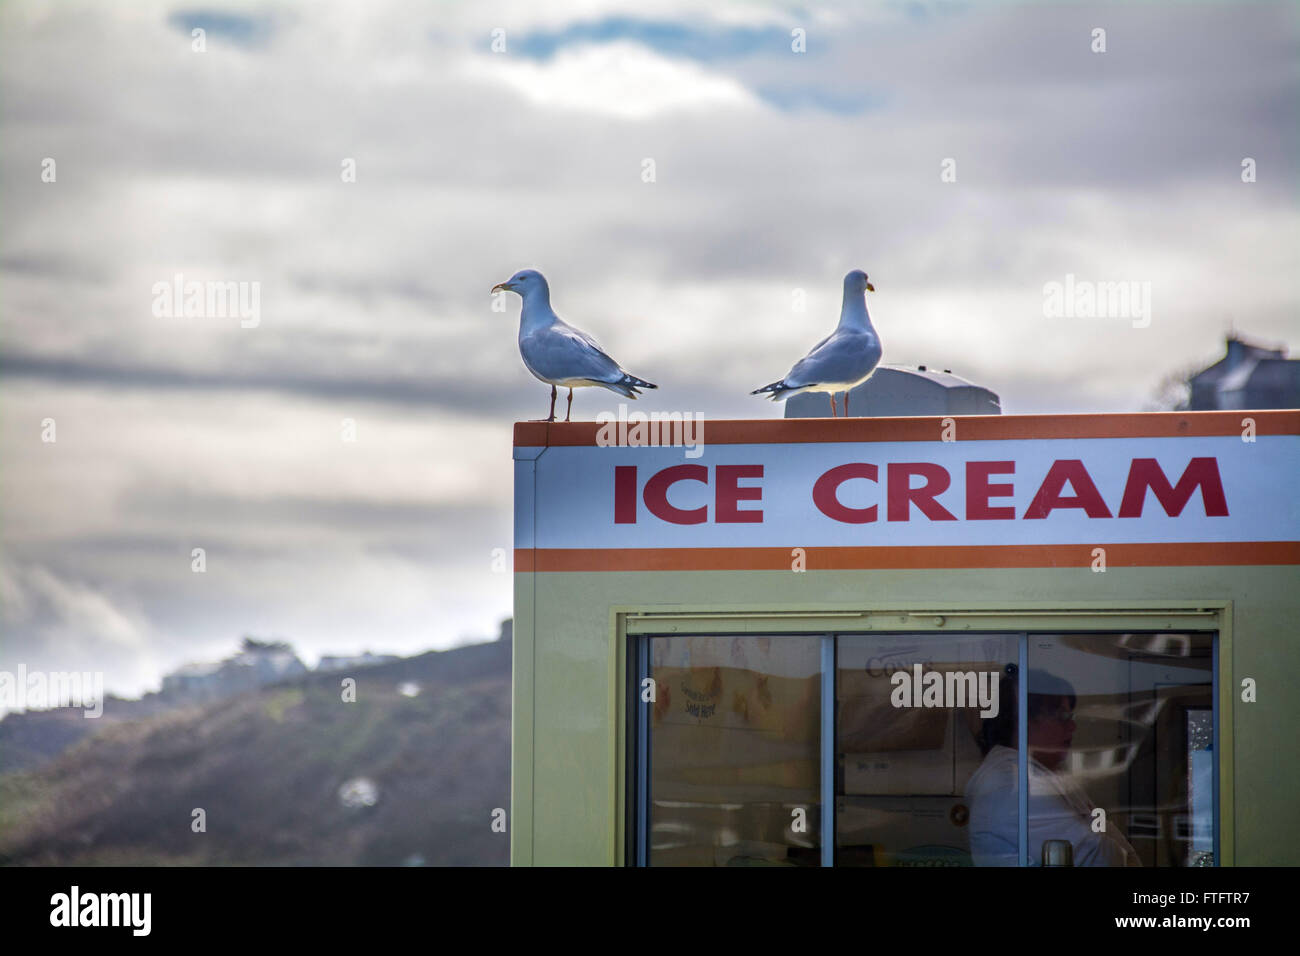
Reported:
(810, 642)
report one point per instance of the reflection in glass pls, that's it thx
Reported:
(907, 742)
(735, 733)
(1119, 729)
(1120, 735)
(1059, 810)
(1200, 785)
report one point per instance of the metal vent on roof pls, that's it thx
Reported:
(896, 390)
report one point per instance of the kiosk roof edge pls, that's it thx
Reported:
(923, 428)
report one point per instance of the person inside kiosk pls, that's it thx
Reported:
(1058, 807)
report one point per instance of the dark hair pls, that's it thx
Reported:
(1044, 690)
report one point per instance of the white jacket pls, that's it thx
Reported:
(1058, 810)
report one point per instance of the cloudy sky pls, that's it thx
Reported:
(773, 170)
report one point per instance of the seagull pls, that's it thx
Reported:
(556, 352)
(844, 359)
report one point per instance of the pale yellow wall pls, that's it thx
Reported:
(566, 797)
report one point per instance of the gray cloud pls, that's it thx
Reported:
(774, 171)
(430, 395)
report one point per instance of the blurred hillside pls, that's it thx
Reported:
(287, 774)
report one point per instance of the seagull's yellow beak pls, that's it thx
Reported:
(498, 287)
(870, 287)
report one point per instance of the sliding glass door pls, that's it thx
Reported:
(916, 718)
(908, 750)
(733, 750)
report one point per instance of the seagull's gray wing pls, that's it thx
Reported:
(562, 353)
(846, 355)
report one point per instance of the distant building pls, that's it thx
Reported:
(896, 390)
(1248, 376)
(192, 680)
(258, 663)
(332, 662)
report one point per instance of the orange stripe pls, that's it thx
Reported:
(968, 428)
(1198, 554)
